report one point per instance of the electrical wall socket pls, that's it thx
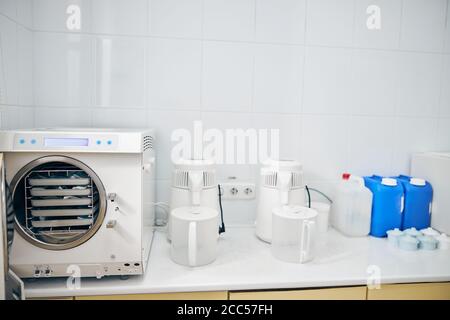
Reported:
(238, 190)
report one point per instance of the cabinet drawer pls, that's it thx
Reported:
(412, 291)
(204, 295)
(345, 293)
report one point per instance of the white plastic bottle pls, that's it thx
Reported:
(352, 207)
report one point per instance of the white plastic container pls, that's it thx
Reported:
(294, 233)
(435, 168)
(394, 236)
(323, 211)
(352, 207)
(444, 241)
(194, 235)
(281, 183)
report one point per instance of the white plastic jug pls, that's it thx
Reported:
(294, 233)
(352, 207)
(195, 234)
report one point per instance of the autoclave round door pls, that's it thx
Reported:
(60, 202)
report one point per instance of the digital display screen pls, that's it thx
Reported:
(66, 142)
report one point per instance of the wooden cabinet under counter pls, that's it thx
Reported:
(204, 295)
(343, 293)
(411, 291)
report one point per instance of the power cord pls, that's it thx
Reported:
(165, 207)
(222, 226)
(309, 196)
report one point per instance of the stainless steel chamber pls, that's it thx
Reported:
(60, 202)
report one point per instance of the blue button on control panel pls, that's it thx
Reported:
(99, 142)
(33, 141)
(109, 142)
(22, 141)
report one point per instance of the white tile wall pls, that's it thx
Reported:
(227, 76)
(25, 65)
(120, 71)
(63, 69)
(281, 21)
(375, 81)
(444, 109)
(387, 37)
(327, 87)
(419, 83)
(344, 98)
(118, 118)
(174, 73)
(52, 15)
(9, 8)
(175, 18)
(423, 25)
(8, 42)
(278, 78)
(25, 13)
(125, 17)
(229, 19)
(16, 89)
(330, 22)
(367, 143)
(325, 146)
(413, 135)
(62, 117)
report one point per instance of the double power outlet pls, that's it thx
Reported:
(238, 190)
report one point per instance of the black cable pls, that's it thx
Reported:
(309, 196)
(222, 226)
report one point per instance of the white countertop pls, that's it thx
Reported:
(246, 263)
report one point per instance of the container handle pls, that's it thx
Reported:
(308, 233)
(192, 244)
(402, 204)
(284, 183)
(196, 186)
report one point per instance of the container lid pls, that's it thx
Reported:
(194, 164)
(430, 232)
(282, 165)
(427, 239)
(194, 213)
(417, 182)
(295, 212)
(391, 182)
(412, 232)
(394, 232)
(406, 239)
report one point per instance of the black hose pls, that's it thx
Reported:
(322, 194)
(222, 226)
(309, 196)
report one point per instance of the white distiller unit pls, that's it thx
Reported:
(281, 184)
(193, 185)
(83, 200)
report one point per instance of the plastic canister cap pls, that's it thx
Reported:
(389, 182)
(417, 182)
(346, 176)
